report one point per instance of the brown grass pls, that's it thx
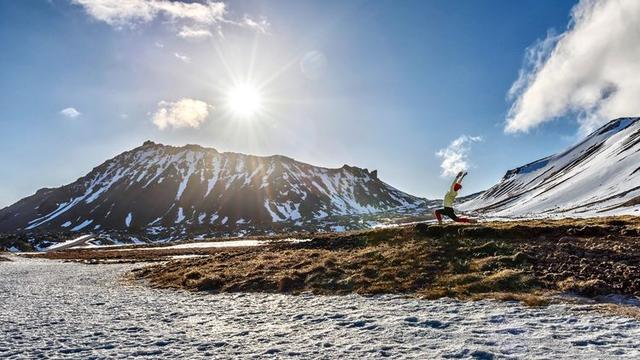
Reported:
(504, 260)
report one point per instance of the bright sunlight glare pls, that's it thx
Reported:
(244, 100)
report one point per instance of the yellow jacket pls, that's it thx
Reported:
(450, 196)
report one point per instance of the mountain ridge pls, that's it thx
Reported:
(594, 177)
(154, 187)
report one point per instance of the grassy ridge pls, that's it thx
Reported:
(510, 260)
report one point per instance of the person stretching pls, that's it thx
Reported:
(449, 197)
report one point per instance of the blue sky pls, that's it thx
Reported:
(401, 81)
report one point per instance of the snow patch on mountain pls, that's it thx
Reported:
(82, 225)
(181, 216)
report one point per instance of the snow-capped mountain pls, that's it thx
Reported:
(155, 189)
(598, 176)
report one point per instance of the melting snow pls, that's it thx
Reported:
(82, 225)
(210, 244)
(214, 176)
(79, 240)
(136, 241)
(275, 217)
(201, 217)
(136, 321)
(191, 159)
(180, 216)
(155, 230)
(289, 210)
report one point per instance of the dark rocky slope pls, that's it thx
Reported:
(164, 192)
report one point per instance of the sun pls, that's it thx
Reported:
(244, 100)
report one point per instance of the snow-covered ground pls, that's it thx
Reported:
(199, 245)
(195, 245)
(70, 243)
(67, 310)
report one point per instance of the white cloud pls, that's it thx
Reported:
(131, 12)
(260, 25)
(194, 33)
(70, 112)
(590, 70)
(197, 18)
(183, 58)
(182, 113)
(455, 156)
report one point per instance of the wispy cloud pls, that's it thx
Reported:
(182, 113)
(131, 12)
(183, 58)
(70, 112)
(197, 18)
(590, 70)
(188, 32)
(455, 156)
(260, 25)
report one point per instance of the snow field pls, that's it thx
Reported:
(80, 311)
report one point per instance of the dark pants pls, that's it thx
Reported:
(447, 211)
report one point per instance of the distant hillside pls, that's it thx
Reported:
(598, 176)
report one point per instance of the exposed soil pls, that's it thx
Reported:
(509, 260)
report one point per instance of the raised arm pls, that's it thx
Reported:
(458, 179)
(455, 181)
(462, 177)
